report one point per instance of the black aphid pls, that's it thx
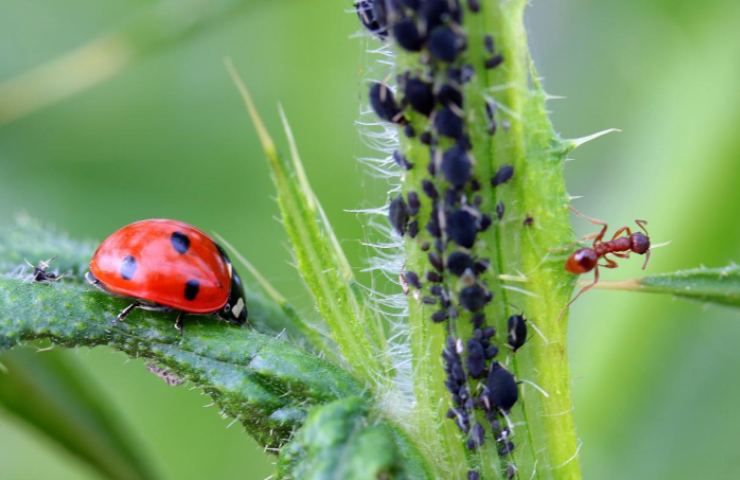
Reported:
(473, 475)
(500, 209)
(425, 246)
(488, 43)
(412, 279)
(438, 12)
(407, 34)
(428, 187)
(517, 328)
(476, 360)
(481, 266)
(503, 175)
(414, 203)
(413, 228)
(444, 44)
(462, 227)
(426, 138)
(419, 95)
(458, 262)
(433, 223)
(474, 297)
(398, 214)
(500, 391)
(474, 6)
(478, 320)
(494, 61)
(436, 262)
(450, 95)
(434, 277)
(426, 300)
(440, 316)
(448, 123)
(384, 103)
(402, 161)
(485, 222)
(367, 13)
(477, 436)
(456, 166)
(511, 471)
(528, 221)
(467, 72)
(409, 131)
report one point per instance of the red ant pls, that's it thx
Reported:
(586, 259)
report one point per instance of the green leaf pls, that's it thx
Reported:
(341, 440)
(318, 255)
(711, 285)
(46, 391)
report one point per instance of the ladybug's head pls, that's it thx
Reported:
(235, 310)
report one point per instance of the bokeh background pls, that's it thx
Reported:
(655, 379)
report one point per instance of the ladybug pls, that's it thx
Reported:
(166, 265)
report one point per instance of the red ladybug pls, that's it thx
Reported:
(168, 265)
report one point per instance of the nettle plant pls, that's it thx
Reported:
(461, 372)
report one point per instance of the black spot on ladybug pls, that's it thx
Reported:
(128, 267)
(191, 289)
(517, 327)
(503, 175)
(180, 242)
(500, 389)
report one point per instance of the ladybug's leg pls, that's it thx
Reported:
(124, 313)
(179, 321)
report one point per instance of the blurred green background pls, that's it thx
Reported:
(655, 379)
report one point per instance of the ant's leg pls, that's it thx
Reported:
(593, 220)
(179, 321)
(582, 291)
(610, 263)
(619, 232)
(621, 254)
(125, 312)
(647, 259)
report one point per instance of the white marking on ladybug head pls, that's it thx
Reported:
(237, 310)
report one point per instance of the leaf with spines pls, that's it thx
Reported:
(710, 285)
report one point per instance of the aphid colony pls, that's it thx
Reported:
(443, 212)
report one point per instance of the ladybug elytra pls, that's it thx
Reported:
(166, 265)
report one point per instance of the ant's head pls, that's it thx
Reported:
(639, 243)
(582, 261)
